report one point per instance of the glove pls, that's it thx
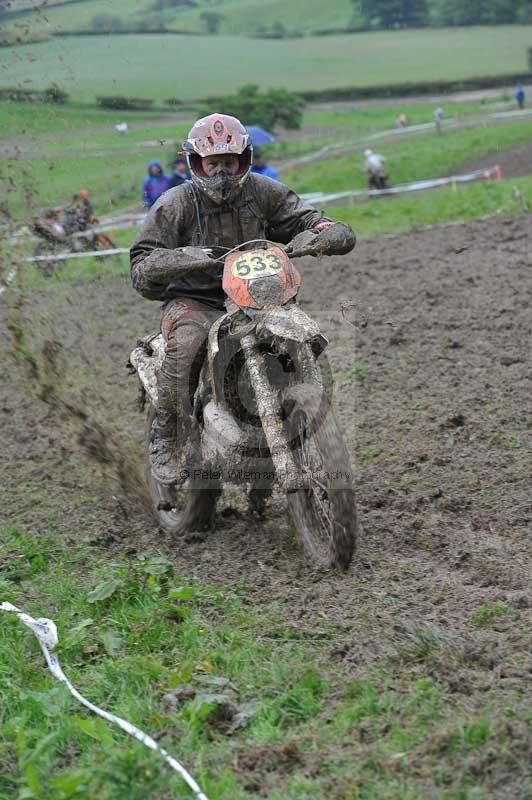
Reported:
(326, 238)
(303, 239)
(334, 238)
(194, 253)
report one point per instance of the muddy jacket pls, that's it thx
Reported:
(265, 209)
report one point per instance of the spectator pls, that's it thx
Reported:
(402, 121)
(520, 95)
(438, 116)
(375, 170)
(155, 184)
(261, 168)
(180, 173)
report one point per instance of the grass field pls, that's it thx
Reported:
(359, 120)
(24, 120)
(134, 634)
(175, 654)
(435, 207)
(162, 66)
(411, 160)
(52, 181)
(61, 166)
(72, 160)
(238, 16)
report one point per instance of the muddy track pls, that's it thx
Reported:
(516, 162)
(436, 416)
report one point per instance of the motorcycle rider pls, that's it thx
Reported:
(375, 170)
(79, 214)
(223, 205)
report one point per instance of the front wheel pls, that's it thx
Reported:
(180, 510)
(324, 511)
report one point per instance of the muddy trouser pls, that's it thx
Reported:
(185, 326)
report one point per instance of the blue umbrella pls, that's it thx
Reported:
(259, 137)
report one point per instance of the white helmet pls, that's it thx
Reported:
(214, 135)
(368, 153)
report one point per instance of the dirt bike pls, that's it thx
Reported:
(261, 411)
(56, 238)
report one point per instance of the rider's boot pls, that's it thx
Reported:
(174, 442)
(165, 449)
(171, 445)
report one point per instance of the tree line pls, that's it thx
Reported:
(393, 14)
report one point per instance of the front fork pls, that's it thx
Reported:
(270, 411)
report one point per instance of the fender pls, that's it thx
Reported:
(291, 322)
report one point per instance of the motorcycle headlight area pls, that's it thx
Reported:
(267, 290)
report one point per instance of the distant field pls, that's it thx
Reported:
(52, 181)
(238, 16)
(162, 66)
(27, 120)
(65, 155)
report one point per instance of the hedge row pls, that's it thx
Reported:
(133, 31)
(410, 89)
(121, 102)
(53, 94)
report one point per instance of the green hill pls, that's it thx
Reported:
(191, 67)
(236, 16)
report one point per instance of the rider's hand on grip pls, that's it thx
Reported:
(302, 240)
(194, 253)
(336, 239)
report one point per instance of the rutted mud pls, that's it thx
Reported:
(433, 388)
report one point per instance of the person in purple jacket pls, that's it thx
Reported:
(155, 184)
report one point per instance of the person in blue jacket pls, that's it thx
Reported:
(261, 168)
(155, 184)
(520, 95)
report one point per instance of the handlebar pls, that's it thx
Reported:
(184, 269)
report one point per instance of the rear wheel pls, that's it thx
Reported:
(324, 511)
(185, 509)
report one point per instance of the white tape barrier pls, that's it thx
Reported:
(316, 197)
(85, 254)
(46, 632)
(416, 186)
(522, 112)
(10, 277)
(107, 223)
(448, 123)
(124, 216)
(121, 225)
